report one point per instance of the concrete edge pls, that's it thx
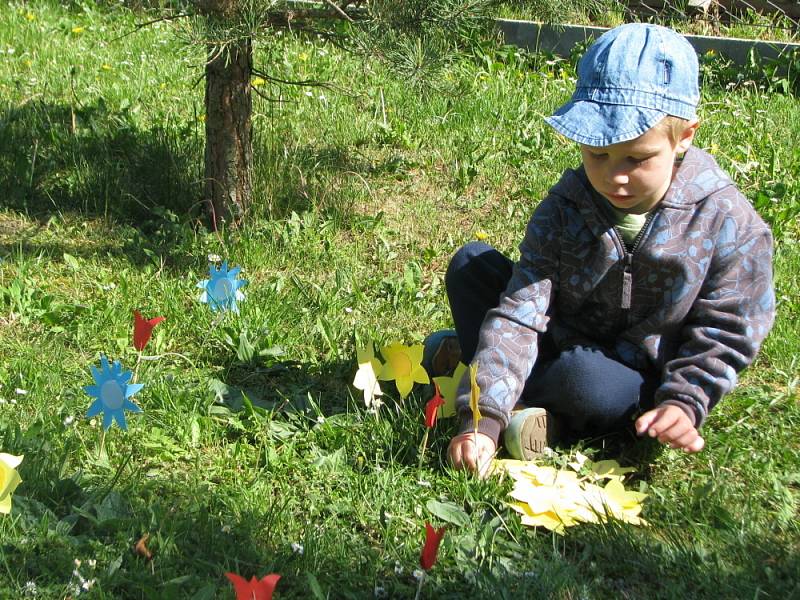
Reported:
(560, 39)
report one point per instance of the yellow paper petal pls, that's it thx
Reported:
(474, 394)
(404, 385)
(448, 387)
(9, 479)
(580, 460)
(366, 381)
(610, 468)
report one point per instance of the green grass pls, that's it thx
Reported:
(361, 198)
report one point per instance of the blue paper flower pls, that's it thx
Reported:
(112, 391)
(221, 292)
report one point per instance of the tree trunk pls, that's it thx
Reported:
(229, 148)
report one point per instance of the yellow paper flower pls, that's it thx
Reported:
(366, 378)
(30, 16)
(448, 387)
(9, 480)
(257, 81)
(481, 235)
(77, 30)
(474, 394)
(404, 366)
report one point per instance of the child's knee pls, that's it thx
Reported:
(593, 390)
(463, 264)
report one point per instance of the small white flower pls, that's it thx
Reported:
(92, 563)
(321, 419)
(424, 483)
(20, 392)
(13, 401)
(93, 423)
(226, 529)
(348, 310)
(309, 93)
(215, 258)
(297, 548)
(529, 574)
(30, 589)
(68, 420)
(108, 286)
(11, 50)
(418, 574)
(398, 568)
(379, 592)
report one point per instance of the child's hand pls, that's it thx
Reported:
(464, 455)
(671, 426)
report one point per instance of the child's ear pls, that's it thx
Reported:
(687, 137)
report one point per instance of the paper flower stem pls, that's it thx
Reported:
(102, 449)
(419, 586)
(423, 447)
(136, 368)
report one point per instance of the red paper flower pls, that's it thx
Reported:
(254, 589)
(143, 329)
(432, 407)
(432, 538)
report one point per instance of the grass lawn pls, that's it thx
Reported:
(364, 189)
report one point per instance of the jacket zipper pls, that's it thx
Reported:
(627, 275)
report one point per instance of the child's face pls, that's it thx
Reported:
(634, 176)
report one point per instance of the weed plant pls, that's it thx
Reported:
(253, 453)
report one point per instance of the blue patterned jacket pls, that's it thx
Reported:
(693, 300)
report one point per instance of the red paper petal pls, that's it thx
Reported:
(143, 329)
(244, 589)
(266, 586)
(432, 407)
(432, 539)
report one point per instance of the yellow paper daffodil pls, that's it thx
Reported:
(474, 395)
(448, 387)
(404, 366)
(366, 378)
(9, 479)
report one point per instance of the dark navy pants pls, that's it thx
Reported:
(587, 389)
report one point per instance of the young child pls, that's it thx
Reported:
(644, 283)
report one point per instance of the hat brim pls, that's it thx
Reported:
(595, 124)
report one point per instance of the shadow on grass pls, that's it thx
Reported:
(57, 159)
(95, 163)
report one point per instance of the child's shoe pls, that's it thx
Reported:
(441, 353)
(529, 432)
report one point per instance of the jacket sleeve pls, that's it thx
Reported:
(726, 325)
(508, 338)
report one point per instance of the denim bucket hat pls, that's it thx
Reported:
(630, 78)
